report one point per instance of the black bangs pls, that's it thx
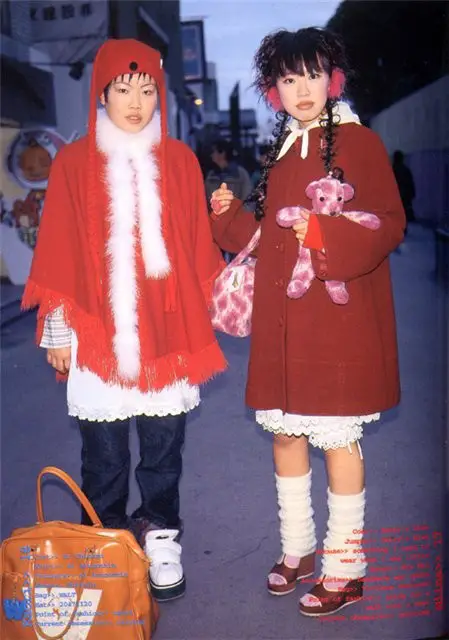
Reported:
(308, 50)
(298, 54)
(300, 66)
(127, 77)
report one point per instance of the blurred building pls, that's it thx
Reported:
(248, 127)
(208, 121)
(395, 49)
(200, 85)
(69, 33)
(418, 126)
(47, 51)
(400, 54)
(157, 23)
(27, 88)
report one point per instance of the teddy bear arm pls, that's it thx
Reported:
(365, 219)
(288, 216)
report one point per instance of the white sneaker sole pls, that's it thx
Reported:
(168, 592)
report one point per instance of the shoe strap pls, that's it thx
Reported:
(162, 555)
(165, 534)
(158, 549)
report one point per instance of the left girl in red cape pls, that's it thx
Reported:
(122, 274)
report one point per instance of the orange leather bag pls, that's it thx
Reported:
(74, 582)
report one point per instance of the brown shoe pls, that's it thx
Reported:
(331, 601)
(291, 575)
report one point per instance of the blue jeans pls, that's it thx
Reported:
(105, 469)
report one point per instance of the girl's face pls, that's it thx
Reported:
(304, 97)
(131, 102)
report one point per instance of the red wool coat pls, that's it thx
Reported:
(71, 268)
(310, 356)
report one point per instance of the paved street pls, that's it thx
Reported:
(228, 497)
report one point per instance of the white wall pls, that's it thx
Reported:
(19, 51)
(417, 123)
(71, 96)
(419, 126)
(71, 99)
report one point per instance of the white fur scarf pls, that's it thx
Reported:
(132, 174)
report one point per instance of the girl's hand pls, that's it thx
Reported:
(221, 199)
(301, 227)
(60, 359)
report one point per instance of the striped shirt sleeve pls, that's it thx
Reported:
(56, 333)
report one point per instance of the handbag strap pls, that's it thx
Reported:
(36, 626)
(244, 253)
(62, 475)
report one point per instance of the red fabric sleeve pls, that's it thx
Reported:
(208, 258)
(234, 229)
(313, 239)
(350, 249)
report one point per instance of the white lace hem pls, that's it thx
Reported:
(90, 398)
(124, 412)
(324, 432)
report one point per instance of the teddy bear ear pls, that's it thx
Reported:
(311, 188)
(348, 192)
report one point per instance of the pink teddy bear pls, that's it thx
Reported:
(328, 196)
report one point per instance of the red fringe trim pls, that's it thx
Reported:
(95, 354)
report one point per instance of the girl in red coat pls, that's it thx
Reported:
(122, 275)
(318, 371)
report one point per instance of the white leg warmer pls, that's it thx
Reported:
(296, 515)
(343, 556)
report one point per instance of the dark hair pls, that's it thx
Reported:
(308, 50)
(225, 146)
(398, 157)
(338, 174)
(121, 78)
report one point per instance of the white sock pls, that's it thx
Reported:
(346, 515)
(296, 515)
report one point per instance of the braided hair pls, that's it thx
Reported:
(309, 50)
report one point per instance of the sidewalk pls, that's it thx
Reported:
(228, 499)
(10, 297)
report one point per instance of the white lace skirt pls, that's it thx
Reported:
(324, 432)
(89, 398)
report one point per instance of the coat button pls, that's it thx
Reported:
(281, 322)
(281, 246)
(323, 271)
(280, 283)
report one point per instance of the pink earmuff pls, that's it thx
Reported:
(337, 84)
(273, 98)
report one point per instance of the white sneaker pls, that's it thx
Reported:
(167, 578)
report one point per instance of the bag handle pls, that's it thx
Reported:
(36, 626)
(62, 475)
(244, 253)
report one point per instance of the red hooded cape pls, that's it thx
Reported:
(71, 267)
